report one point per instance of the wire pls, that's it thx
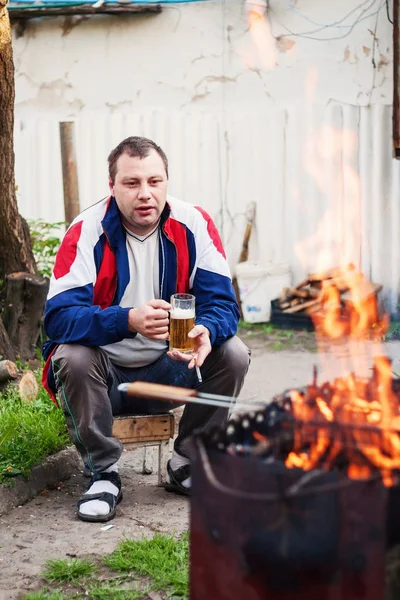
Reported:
(351, 27)
(306, 35)
(387, 12)
(335, 23)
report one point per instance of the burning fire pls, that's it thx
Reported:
(355, 416)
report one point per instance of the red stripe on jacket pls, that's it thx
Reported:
(68, 250)
(104, 288)
(45, 374)
(212, 231)
(177, 233)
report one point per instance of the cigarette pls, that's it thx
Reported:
(199, 377)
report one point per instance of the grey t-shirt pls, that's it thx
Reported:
(143, 286)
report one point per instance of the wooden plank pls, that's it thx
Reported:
(69, 171)
(302, 306)
(145, 444)
(17, 13)
(362, 291)
(144, 428)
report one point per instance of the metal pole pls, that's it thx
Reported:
(69, 171)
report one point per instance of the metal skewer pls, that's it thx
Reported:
(180, 395)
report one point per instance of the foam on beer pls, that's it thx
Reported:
(182, 313)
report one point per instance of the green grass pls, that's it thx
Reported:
(129, 573)
(270, 337)
(29, 432)
(68, 571)
(112, 591)
(278, 346)
(162, 558)
(45, 596)
(268, 329)
(393, 333)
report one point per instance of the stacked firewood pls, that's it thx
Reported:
(308, 295)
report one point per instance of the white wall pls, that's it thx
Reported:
(300, 126)
(201, 56)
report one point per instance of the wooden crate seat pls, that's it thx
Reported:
(147, 430)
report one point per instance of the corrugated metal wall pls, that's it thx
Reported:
(323, 179)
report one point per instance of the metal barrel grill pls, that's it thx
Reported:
(263, 531)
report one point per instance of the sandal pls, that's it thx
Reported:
(175, 480)
(107, 497)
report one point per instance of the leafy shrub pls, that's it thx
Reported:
(45, 243)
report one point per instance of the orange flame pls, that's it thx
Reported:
(358, 418)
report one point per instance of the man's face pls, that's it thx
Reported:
(140, 190)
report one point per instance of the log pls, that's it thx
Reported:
(313, 309)
(295, 302)
(28, 386)
(25, 299)
(364, 290)
(339, 283)
(8, 370)
(284, 297)
(284, 305)
(314, 292)
(302, 284)
(299, 293)
(302, 306)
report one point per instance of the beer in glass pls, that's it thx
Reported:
(182, 316)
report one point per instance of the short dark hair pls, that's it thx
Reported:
(134, 146)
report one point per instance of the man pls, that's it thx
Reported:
(107, 318)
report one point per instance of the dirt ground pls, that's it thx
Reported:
(47, 526)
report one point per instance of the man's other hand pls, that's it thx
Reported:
(150, 320)
(202, 347)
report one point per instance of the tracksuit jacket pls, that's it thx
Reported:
(91, 273)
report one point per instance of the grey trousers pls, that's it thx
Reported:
(87, 384)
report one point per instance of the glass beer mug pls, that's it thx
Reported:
(182, 317)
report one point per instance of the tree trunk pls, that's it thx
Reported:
(23, 311)
(15, 244)
(15, 247)
(6, 350)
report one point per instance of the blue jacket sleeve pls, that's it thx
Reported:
(70, 318)
(216, 306)
(70, 313)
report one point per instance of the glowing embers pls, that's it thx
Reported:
(351, 425)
